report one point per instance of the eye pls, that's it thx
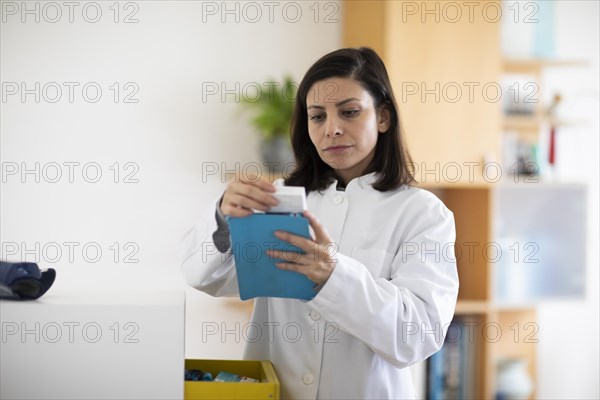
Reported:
(316, 117)
(350, 113)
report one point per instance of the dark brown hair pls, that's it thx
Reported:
(391, 159)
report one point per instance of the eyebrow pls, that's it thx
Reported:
(339, 103)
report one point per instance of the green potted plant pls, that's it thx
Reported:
(272, 106)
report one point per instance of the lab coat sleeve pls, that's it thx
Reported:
(203, 265)
(206, 265)
(403, 319)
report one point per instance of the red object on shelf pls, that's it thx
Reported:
(552, 149)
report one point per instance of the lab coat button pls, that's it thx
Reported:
(338, 199)
(315, 315)
(307, 379)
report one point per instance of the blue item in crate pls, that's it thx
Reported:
(24, 280)
(197, 375)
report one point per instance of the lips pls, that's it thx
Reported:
(337, 148)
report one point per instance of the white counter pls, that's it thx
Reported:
(100, 343)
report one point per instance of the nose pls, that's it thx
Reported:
(332, 127)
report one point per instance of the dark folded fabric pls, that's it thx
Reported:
(24, 280)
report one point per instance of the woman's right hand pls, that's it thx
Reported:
(246, 193)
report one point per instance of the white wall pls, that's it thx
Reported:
(170, 54)
(568, 353)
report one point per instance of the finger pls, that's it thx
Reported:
(321, 235)
(235, 198)
(290, 256)
(234, 211)
(255, 193)
(315, 254)
(301, 269)
(292, 267)
(232, 204)
(260, 183)
(299, 241)
(247, 202)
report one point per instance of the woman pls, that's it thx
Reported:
(385, 297)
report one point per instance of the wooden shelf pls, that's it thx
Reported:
(467, 307)
(523, 122)
(513, 307)
(535, 65)
(528, 126)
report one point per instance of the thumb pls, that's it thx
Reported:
(321, 235)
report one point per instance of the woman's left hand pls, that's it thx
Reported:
(318, 261)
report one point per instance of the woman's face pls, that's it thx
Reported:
(344, 125)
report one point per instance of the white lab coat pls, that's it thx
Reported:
(386, 305)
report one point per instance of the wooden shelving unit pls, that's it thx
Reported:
(473, 208)
(427, 52)
(528, 126)
(445, 132)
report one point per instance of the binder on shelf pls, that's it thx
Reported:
(435, 376)
(257, 274)
(451, 371)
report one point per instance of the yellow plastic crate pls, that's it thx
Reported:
(268, 388)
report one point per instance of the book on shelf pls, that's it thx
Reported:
(451, 371)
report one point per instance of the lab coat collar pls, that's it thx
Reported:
(363, 182)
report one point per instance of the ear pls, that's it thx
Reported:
(384, 118)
